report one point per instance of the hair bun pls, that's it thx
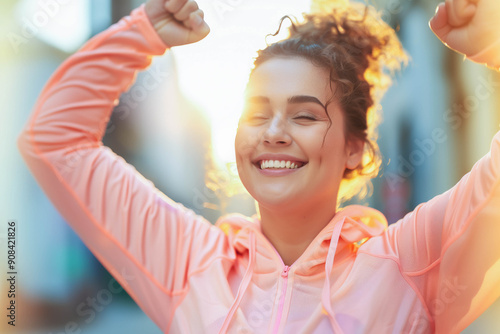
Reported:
(358, 32)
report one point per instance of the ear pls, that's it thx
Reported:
(355, 149)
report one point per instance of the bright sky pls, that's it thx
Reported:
(62, 24)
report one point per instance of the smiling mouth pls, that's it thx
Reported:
(279, 164)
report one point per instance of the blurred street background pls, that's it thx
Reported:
(179, 134)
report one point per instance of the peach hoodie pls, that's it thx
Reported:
(435, 270)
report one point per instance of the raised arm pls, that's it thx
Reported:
(149, 243)
(449, 247)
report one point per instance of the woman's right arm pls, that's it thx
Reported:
(149, 243)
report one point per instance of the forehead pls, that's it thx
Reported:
(282, 77)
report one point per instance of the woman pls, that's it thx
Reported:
(301, 266)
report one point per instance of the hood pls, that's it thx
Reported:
(348, 229)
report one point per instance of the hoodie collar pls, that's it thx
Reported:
(359, 223)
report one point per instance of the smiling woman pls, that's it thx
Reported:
(301, 265)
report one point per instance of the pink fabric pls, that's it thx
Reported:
(435, 270)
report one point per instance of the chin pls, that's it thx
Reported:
(277, 202)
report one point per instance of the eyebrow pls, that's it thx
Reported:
(304, 99)
(296, 99)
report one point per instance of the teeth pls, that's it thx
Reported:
(278, 164)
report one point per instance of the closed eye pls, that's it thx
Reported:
(252, 119)
(311, 118)
(256, 117)
(250, 114)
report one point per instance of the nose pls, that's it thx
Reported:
(276, 132)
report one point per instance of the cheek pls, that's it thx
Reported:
(245, 141)
(317, 142)
(334, 146)
(335, 140)
(244, 149)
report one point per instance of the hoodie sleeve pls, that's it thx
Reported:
(449, 247)
(149, 243)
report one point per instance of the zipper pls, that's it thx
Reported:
(284, 274)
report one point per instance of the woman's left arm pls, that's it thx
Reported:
(449, 247)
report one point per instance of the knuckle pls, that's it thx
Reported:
(193, 5)
(189, 8)
(174, 6)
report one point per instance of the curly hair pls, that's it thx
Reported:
(361, 52)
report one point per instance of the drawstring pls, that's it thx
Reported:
(326, 294)
(243, 285)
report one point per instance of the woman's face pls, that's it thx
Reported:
(287, 156)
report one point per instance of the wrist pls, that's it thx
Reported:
(148, 28)
(489, 56)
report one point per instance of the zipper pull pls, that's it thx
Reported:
(285, 271)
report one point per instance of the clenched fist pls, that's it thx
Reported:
(470, 27)
(177, 22)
